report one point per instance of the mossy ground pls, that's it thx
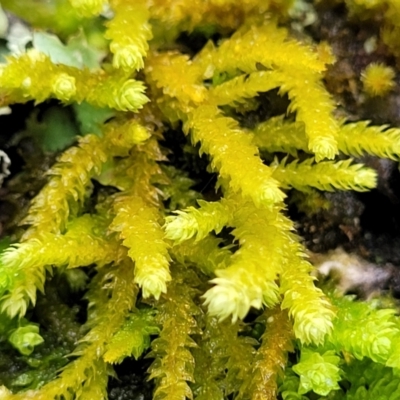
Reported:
(367, 224)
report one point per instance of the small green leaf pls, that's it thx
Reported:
(91, 118)
(55, 132)
(318, 372)
(25, 338)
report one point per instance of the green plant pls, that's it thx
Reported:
(155, 256)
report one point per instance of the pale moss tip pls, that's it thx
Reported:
(126, 57)
(366, 178)
(181, 227)
(154, 282)
(130, 96)
(224, 301)
(139, 134)
(64, 87)
(378, 79)
(271, 194)
(323, 147)
(314, 327)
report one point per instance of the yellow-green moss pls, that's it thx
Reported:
(199, 287)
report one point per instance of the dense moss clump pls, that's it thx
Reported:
(191, 262)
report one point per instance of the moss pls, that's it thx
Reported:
(216, 285)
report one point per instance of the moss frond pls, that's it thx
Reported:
(177, 76)
(140, 172)
(64, 194)
(214, 131)
(141, 232)
(206, 254)
(19, 291)
(271, 357)
(249, 281)
(243, 87)
(129, 31)
(133, 338)
(266, 44)
(321, 131)
(279, 135)
(33, 76)
(302, 85)
(221, 347)
(311, 311)
(326, 175)
(238, 351)
(25, 264)
(354, 139)
(87, 373)
(79, 246)
(96, 386)
(363, 330)
(208, 373)
(320, 125)
(66, 190)
(198, 222)
(121, 135)
(317, 136)
(173, 366)
(359, 138)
